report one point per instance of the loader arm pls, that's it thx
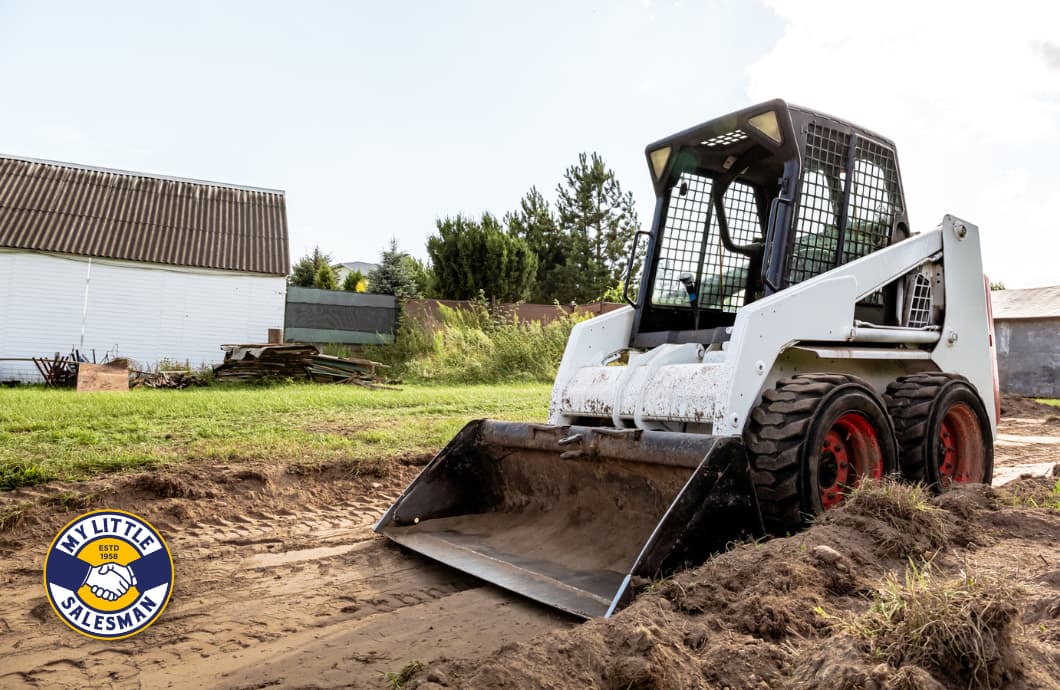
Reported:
(766, 328)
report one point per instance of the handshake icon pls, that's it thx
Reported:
(110, 581)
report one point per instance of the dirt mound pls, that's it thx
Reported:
(832, 607)
(1018, 406)
(1035, 491)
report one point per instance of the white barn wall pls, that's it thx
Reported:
(145, 312)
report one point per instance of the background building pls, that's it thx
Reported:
(134, 265)
(1027, 327)
(347, 267)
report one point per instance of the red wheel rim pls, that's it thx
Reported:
(850, 451)
(961, 452)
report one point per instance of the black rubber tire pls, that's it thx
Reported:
(918, 403)
(785, 435)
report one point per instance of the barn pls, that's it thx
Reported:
(1027, 326)
(133, 265)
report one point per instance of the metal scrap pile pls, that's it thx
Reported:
(297, 361)
(77, 371)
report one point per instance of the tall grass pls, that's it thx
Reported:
(476, 345)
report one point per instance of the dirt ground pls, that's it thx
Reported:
(281, 582)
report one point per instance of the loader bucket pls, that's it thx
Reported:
(575, 517)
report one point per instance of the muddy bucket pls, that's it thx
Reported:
(575, 517)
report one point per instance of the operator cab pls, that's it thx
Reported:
(753, 202)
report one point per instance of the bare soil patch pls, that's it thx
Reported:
(281, 582)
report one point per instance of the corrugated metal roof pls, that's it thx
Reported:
(1032, 303)
(72, 209)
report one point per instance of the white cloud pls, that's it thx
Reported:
(970, 94)
(951, 69)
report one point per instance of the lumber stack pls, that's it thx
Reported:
(248, 363)
(296, 361)
(330, 369)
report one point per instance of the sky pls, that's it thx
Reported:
(376, 119)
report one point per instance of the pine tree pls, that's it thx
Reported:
(325, 278)
(535, 223)
(304, 272)
(599, 222)
(394, 275)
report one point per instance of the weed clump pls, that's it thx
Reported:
(12, 513)
(398, 680)
(22, 473)
(900, 517)
(71, 500)
(1034, 492)
(959, 627)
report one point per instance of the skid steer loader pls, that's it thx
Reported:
(789, 338)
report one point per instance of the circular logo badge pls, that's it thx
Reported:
(108, 574)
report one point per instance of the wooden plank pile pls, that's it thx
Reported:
(296, 361)
(248, 363)
(166, 379)
(330, 369)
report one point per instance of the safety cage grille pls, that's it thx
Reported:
(861, 212)
(721, 275)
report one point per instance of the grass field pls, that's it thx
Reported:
(58, 434)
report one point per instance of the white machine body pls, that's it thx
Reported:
(712, 390)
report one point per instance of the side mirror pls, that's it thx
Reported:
(779, 230)
(629, 266)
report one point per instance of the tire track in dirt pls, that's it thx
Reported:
(276, 584)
